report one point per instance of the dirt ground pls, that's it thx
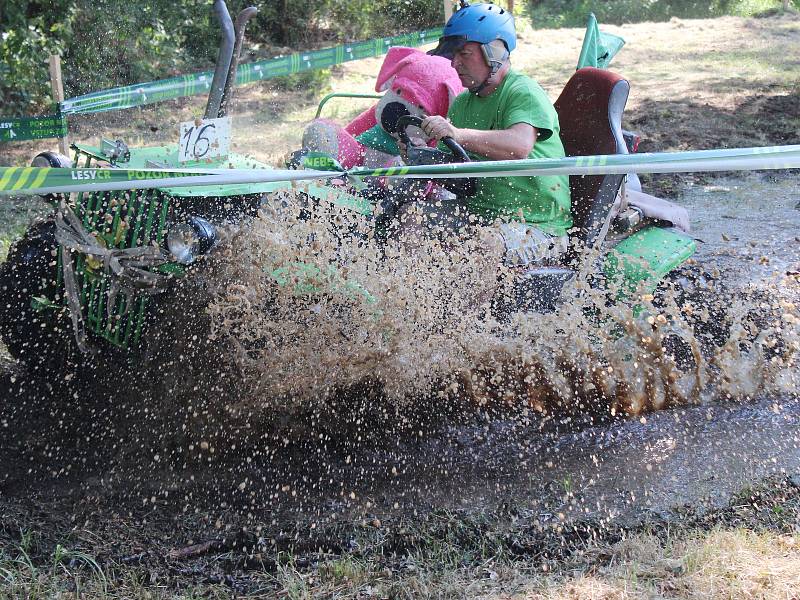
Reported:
(100, 496)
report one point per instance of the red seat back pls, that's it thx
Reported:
(590, 115)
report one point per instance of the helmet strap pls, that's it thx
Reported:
(494, 66)
(482, 86)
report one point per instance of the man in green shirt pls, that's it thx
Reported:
(504, 115)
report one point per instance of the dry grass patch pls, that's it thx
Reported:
(723, 564)
(742, 564)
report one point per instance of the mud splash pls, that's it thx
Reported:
(312, 312)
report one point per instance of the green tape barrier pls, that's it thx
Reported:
(14, 129)
(38, 180)
(45, 180)
(199, 83)
(734, 159)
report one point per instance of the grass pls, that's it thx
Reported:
(64, 569)
(654, 562)
(758, 8)
(747, 549)
(69, 573)
(736, 563)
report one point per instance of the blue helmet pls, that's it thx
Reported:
(481, 23)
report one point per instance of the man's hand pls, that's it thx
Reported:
(436, 127)
(495, 144)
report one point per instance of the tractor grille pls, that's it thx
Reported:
(121, 220)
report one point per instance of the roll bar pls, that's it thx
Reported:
(223, 60)
(230, 80)
(324, 101)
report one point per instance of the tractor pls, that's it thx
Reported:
(90, 280)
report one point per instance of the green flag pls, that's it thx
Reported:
(598, 48)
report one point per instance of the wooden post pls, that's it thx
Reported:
(448, 10)
(57, 85)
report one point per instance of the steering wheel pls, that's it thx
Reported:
(458, 154)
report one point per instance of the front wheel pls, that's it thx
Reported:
(38, 336)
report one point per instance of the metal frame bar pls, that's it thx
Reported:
(341, 95)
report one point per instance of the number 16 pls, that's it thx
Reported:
(200, 141)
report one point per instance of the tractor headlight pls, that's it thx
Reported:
(187, 241)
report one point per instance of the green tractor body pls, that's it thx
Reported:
(141, 218)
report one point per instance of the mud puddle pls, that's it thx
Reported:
(308, 500)
(615, 470)
(749, 227)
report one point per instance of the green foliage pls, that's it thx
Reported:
(285, 22)
(358, 19)
(24, 48)
(573, 13)
(108, 43)
(112, 42)
(314, 81)
(102, 43)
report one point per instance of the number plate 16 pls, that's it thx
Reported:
(204, 139)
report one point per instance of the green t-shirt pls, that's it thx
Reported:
(542, 201)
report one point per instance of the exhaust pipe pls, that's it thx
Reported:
(223, 60)
(230, 81)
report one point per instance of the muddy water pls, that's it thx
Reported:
(418, 322)
(621, 469)
(749, 226)
(572, 464)
(665, 460)
(750, 231)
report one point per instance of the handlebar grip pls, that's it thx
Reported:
(456, 149)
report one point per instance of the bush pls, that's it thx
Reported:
(102, 43)
(113, 43)
(108, 43)
(363, 19)
(314, 81)
(24, 49)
